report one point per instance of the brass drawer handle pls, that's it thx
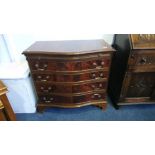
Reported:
(101, 75)
(96, 96)
(100, 85)
(41, 69)
(48, 100)
(94, 76)
(36, 65)
(47, 77)
(46, 90)
(94, 64)
(99, 66)
(43, 79)
(102, 63)
(93, 86)
(39, 77)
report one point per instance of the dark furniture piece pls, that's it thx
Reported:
(6, 112)
(70, 73)
(132, 78)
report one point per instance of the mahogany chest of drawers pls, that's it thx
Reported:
(132, 78)
(70, 73)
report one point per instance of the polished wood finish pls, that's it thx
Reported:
(69, 47)
(143, 41)
(132, 79)
(6, 112)
(70, 74)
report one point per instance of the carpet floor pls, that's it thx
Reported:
(93, 113)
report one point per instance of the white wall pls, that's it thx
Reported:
(4, 54)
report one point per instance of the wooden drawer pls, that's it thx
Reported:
(90, 97)
(58, 99)
(82, 76)
(51, 65)
(76, 88)
(70, 77)
(142, 60)
(54, 99)
(89, 87)
(142, 57)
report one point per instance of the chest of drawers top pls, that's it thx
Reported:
(69, 47)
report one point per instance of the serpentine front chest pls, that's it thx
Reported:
(70, 74)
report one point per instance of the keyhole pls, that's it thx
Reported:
(143, 61)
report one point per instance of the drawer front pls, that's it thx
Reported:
(70, 77)
(48, 99)
(146, 59)
(43, 77)
(82, 77)
(52, 88)
(139, 59)
(90, 97)
(51, 65)
(90, 87)
(57, 99)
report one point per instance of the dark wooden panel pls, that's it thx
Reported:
(133, 70)
(142, 58)
(153, 94)
(139, 85)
